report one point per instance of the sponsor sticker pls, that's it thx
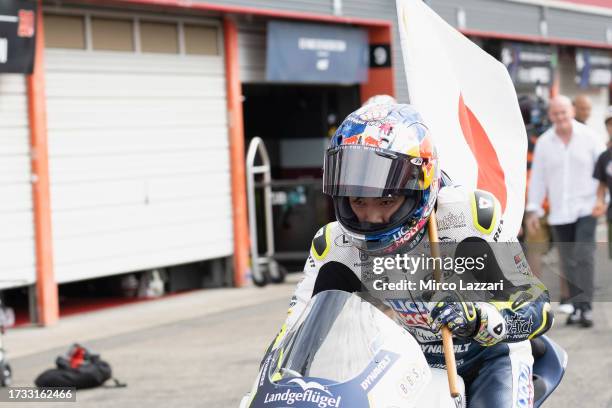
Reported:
(525, 387)
(517, 326)
(499, 231)
(411, 380)
(311, 392)
(371, 379)
(311, 261)
(451, 220)
(521, 264)
(438, 349)
(342, 241)
(408, 312)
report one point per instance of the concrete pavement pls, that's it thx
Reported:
(139, 316)
(178, 351)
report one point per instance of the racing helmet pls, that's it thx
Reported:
(379, 99)
(383, 150)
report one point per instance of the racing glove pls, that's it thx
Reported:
(478, 320)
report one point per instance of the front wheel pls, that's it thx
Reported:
(261, 280)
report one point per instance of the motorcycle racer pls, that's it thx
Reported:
(382, 171)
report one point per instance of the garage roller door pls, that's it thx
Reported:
(17, 259)
(138, 143)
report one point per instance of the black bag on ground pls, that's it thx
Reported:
(80, 368)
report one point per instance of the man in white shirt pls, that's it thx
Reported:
(562, 168)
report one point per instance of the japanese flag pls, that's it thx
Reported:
(469, 103)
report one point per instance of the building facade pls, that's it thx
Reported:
(124, 150)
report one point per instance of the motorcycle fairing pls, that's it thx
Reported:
(310, 392)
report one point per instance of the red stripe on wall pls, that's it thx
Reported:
(598, 3)
(236, 150)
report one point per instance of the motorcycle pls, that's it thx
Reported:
(345, 352)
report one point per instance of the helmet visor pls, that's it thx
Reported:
(358, 171)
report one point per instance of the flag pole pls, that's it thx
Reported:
(447, 337)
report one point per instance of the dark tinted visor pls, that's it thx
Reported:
(358, 171)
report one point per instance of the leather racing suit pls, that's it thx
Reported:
(497, 373)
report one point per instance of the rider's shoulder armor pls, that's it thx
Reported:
(463, 212)
(331, 244)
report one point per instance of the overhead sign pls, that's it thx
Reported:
(316, 53)
(17, 35)
(593, 68)
(528, 64)
(380, 55)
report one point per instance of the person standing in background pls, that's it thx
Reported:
(603, 173)
(582, 106)
(563, 162)
(538, 242)
(608, 122)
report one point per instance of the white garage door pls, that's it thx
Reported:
(137, 127)
(252, 50)
(17, 259)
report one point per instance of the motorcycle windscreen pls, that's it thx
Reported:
(336, 337)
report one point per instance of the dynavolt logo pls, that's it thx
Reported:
(376, 372)
(312, 392)
(437, 348)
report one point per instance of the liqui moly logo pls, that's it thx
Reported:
(312, 392)
(404, 234)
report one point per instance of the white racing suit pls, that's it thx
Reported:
(496, 363)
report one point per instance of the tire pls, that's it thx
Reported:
(263, 279)
(6, 375)
(279, 275)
